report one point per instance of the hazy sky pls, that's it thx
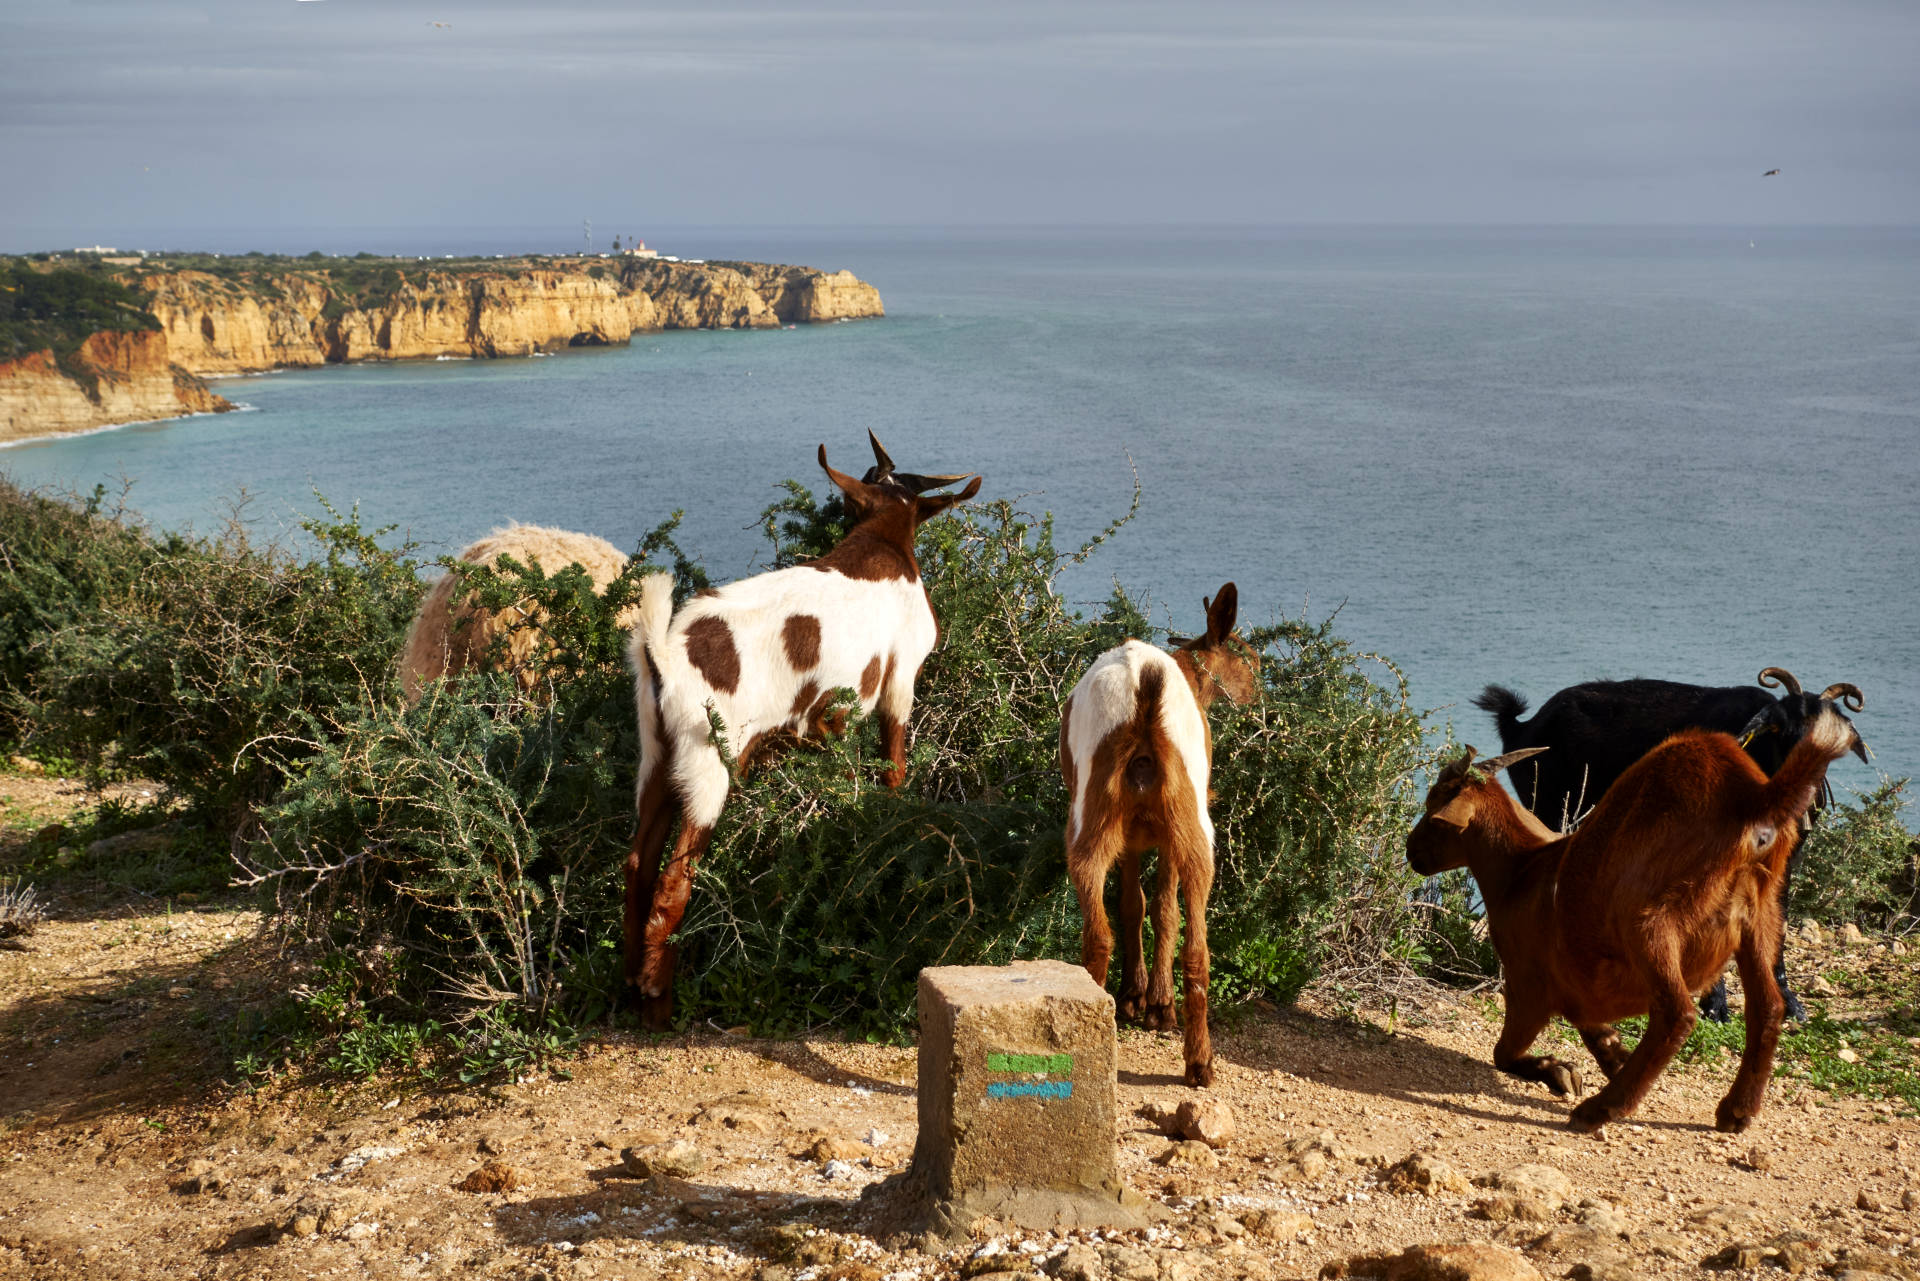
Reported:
(341, 113)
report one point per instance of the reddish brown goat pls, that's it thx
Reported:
(1675, 870)
(1135, 751)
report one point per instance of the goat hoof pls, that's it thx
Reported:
(656, 1013)
(1132, 1008)
(1564, 1081)
(1200, 1075)
(1160, 1018)
(1588, 1118)
(1795, 1012)
(1729, 1120)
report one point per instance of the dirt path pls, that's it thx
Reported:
(122, 1154)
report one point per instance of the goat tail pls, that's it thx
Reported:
(1793, 787)
(1145, 770)
(650, 633)
(1507, 708)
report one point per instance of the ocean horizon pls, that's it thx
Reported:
(1530, 455)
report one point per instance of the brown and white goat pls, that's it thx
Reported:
(1676, 869)
(1136, 752)
(766, 655)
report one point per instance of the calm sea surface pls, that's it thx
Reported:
(1527, 456)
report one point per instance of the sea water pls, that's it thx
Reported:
(1530, 456)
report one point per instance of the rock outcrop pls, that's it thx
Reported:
(276, 319)
(123, 378)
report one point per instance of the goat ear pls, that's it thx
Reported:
(859, 493)
(1493, 765)
(1221, 612)
(927, 508)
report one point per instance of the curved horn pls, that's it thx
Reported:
(1779, 677)
(1495, 764)
(921, 484)
(1454, 769)
(1847, 693)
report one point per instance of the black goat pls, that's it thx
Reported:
(1598, 729)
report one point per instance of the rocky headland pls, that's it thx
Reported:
(236, 319)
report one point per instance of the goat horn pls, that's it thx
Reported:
(921, 484)
(1454, 769)
(1847, 693)
(1495, 764)
(880, 455)
(1780, 677)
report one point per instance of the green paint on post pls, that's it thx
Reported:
(1051, 1064)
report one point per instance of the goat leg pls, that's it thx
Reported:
(1713, 1006)
(1765, 1006)
(1194, 966)
(893, 737)
(1794, 1009)
(1669, 1023)
(1133, 916)
(1087, 865)
(656, 808)
(1159, 1015)
(1522, 1028)
(1603, 1042)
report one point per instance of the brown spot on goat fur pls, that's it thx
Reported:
(710, 649)
(870, 677)
(803, 701)
(800, 636)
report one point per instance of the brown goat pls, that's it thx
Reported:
(1136, 750)
(1675, 870)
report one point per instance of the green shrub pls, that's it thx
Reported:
(1860, 863)
(483, 832)
(206, 669)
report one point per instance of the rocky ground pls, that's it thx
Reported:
(1353, 1139)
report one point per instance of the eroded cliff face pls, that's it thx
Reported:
(126, 378)
(297, 318)
(278, 319)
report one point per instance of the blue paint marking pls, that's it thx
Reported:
(1030, 1089)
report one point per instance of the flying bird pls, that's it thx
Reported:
(1769, 173)
(445, 25)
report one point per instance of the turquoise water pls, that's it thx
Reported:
(1534, 457)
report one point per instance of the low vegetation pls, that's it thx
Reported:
(57, 310)
(451, 871)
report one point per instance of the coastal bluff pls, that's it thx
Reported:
(236, 318)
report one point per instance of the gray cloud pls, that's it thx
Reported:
(350, 113)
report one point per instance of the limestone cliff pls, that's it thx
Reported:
(123, 378)
(251, 320)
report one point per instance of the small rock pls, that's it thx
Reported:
(1846, 1055)
(362, 1231)
(1424, 1175)
(492, 1177)
(303, 1225)
(1818, 986)
(1865, 1200)
(678, 1160)
(1759, 1159)
(836, 1170)
(489, 1146)
(1076, 1263)
(1611, 1267)
(1909, 1199)
(1508, 1207)
(1208, 1121)
(1811, 933)
(832, 1149)
(1726, 1218)
(1850, 934)
(1897, 948)
(1277, 1225)
(1606, 1221)
(1188, 1154)
(1124, 1263)
(1541, 1182)
(1164, 1117)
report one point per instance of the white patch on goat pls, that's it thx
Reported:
(1105, 700)
(1830, 732)
(860, 620)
